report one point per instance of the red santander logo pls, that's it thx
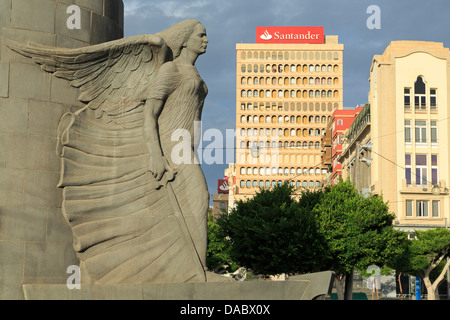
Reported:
(289, 35)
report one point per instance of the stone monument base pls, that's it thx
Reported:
(303, 287)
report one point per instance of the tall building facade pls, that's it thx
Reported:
(403, 133)
(285, 95)
(341, 120)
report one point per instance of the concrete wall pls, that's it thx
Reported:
(35, 241)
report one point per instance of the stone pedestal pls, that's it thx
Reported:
(303, 287)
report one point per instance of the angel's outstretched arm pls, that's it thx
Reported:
(158, 165)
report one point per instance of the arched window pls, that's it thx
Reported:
(419, 93)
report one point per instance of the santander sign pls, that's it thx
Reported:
(289, 35)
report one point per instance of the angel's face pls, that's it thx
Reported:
(197, 41)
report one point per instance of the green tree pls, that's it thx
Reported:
(358, 231)
(423, 255)
(218, 252)
(272, 233)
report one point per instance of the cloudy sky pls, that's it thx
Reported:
(234, 21)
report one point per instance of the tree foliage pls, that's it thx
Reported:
(424, 256)
(358, 230)
(218, 252)
(332, 229)
(273, 234)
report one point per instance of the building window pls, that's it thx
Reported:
(422, 208)
(408, 169)
(419, 94)
(408, 131)
(407, 98)
(420, 131)
(433, 99)
(409, 208)
(434, 169)
(435, 204)
(421, 170)
(433, 127)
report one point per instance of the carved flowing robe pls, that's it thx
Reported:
(124, 222)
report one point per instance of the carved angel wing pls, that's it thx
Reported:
(110, 76)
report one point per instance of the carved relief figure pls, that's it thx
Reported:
(135, 216)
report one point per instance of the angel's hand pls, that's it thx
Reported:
(159, 165)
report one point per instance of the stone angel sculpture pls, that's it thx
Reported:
(136, 217)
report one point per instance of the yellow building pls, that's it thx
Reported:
(285, 95)
(404, 136)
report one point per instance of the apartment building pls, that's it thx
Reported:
(402, 134)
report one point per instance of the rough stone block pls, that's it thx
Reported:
(61, 17)
(40, 189)
(14, 115)
(65, 42)
(3, 146)
(62, 92)
(29, 82)
(43, 117)
(58, 229)
(104, 29)
(48, 259)
(11, 186)
(28, 152)
(23, 36)
(115, 10)
(92, 5)
(11, 259)
(5, 15)
(11, 288)
(4, 79)
(304, 287)
(23, 223)
(34, 15)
